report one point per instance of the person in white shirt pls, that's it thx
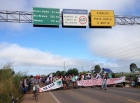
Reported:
(138, 81)
(97, 76)
(47, 81)
(25, 86)
(82, 77)
(123, 79)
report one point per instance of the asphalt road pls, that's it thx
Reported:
(88, 95)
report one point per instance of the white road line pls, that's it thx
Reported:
(57, 101)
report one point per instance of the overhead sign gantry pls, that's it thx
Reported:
(27, 17)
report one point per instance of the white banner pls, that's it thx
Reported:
(92, 82)
(52, 86)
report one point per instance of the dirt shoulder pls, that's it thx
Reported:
(44, 97)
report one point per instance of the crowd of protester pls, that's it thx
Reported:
(134, 82)
(26, 84)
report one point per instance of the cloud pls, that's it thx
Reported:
(16, 5)
(119, 40)
(31, 56)
(31, 59)
(119, 45)
(36, 61)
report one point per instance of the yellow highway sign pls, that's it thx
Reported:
(102, 18)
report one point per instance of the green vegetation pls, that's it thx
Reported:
(117, 75)
(138, 70)
(97, 68)
(73, 71)
(69, 72)
(9, 82)
(133, 67)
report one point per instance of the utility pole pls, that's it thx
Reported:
(83, 68)
(64, 67)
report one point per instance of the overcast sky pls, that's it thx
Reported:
(39, 50)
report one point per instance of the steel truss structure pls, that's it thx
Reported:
(27, 17)
(16, 16)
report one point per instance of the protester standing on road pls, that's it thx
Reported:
(104, 82)
(67, 81)
(31, 83)
(138, 81)
(25, 86)
(74, 80)
(64, 82)
(47, 80)
(123, 79)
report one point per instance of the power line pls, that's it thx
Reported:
(89, 64)
(92, 59)
(114, 55)
(120, 48)
(130, 56)
(120, 52)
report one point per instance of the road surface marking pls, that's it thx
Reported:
(57, 101)
(134, 101)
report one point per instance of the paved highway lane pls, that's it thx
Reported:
(97, 95)
(88, 95)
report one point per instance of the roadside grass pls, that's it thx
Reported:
(9, 83)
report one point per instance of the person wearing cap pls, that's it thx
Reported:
(36, 83)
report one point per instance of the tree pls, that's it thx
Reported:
(133, 67)
(75, 71)
(58, 72)
(69, 71)
(63, 72)
(72, 71)
(97, 68)
(53, 73)
(139, 70)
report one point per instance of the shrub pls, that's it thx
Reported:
(9, 82)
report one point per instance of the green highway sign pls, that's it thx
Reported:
(46, 16)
